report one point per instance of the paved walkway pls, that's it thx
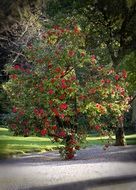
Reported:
(92, 169)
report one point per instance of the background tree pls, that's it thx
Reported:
(17, 19)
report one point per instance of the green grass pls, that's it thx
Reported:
(130, 140)
(12, 145)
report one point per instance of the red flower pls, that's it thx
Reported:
(54, 127)
(26, 132)
(50, 66)
(36, 111)
(50, 102)
(63, 86)
(73, 78)
(93, 58)
(53, 80)
(69, 149)
(124, 74)
(14, 76)
(14, 110)
(36, 129)
(62, 97)
(39, 112)
(55, 111)
(58, 69)
(92, 91)
(70, 156)
(102, 81)
(98, 105)
(62, 134)
(71, 53)
(40, 60)
(41, 89)
(56, 27)
(51, 91)
(62, 116)
(122, 93)
(97, 127)
(16, 67)
(21, 113)
(43, 132)
(82, 97)
(63, 106)
(108, 81)
(77, 29)
(13, 126)
(117, 77)
(82, 54)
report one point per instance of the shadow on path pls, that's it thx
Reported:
(93, 183)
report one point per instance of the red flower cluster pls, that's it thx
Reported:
(14, 76)
(63, 106)
(55, 111)
(54, 127)
(117, 77)
(124, 74)
(39, 112)
(43, 132)
(71, 53)
(62, 134)
(97, 127)
(100, 108)
(14, 110)
(77, 29)
(50, 92)
(16, 67)
(63, 84)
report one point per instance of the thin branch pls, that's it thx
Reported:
(26, 29)
(18, 54)
(55, 135)
(67, 72)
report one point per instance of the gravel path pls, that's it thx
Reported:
(93, 168)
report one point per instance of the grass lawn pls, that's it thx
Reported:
(130, 139)
(12, 145)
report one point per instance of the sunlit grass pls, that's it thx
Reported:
(10, 145)
(130, 140)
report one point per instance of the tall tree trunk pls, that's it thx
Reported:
(120, 134)
(134, 111)
(120, 137)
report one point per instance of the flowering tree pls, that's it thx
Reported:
(63, 91)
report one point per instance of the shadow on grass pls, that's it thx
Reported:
(131, 141)
(90, 184)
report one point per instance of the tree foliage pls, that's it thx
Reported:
(61, 85)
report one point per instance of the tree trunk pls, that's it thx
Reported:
(120, 135)
(134, 112)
